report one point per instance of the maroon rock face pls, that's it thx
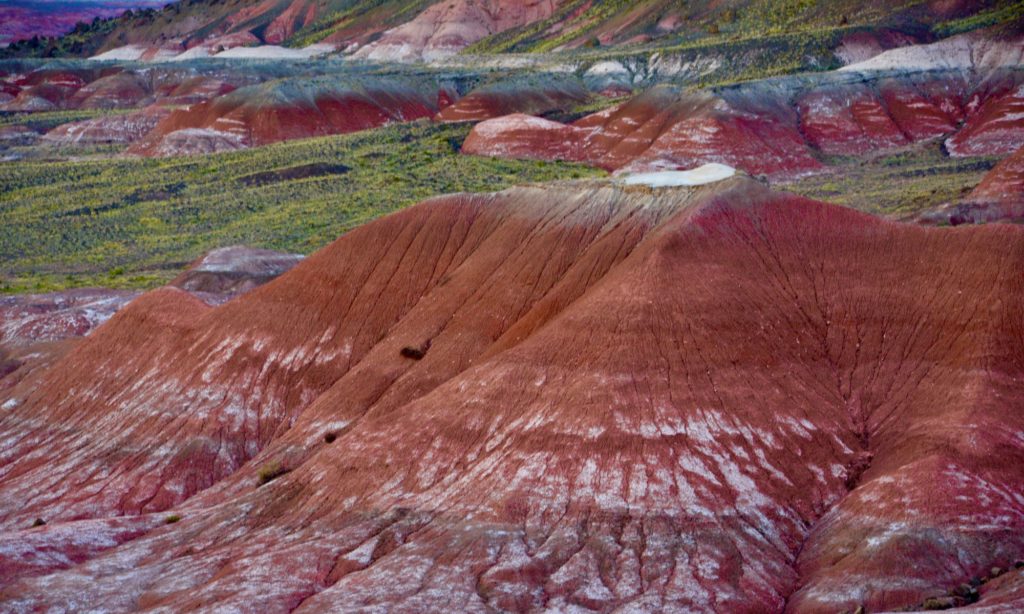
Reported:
(713, 399)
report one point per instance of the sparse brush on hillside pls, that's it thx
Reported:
(84, 40)
(577, 25)
(900, 184)
(135, 222)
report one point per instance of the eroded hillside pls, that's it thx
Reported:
(575, 395)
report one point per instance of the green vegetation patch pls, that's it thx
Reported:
(126, 222)
(899, 185)
(42, 121)
(1005, 12)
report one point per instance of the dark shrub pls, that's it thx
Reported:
(270, 472)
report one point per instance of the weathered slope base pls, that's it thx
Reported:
(719, 399)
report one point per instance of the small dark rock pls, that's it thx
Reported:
(415, 353)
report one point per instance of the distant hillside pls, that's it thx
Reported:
(23, 19)
(421, 29)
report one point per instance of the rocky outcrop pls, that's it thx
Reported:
(579, 396)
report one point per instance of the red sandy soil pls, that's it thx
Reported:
(571, 396)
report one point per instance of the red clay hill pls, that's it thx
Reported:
(966, 90)
(289, 109)
(582, 396)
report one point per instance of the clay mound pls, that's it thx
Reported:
(47, 89)
(122, 90)
(284, 110)
(663, 128)
(776, 127)
(234, 270)
(979, 51)
(126, 128)
(447, 27)
(582, 396)
(997, 124)
(504, 99)
(194, 90)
